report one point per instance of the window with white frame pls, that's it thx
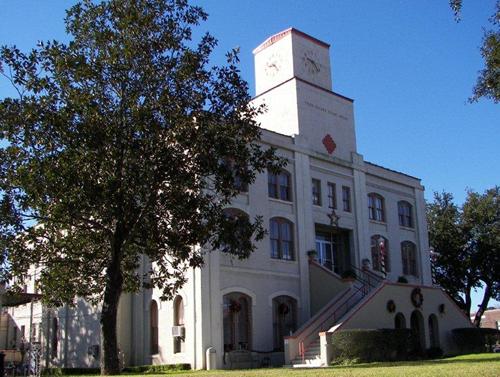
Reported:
(316, 192)
(376, 207)
(409, 258)
(281, 235)
(332, 198)
(405, 214)
(279, 185)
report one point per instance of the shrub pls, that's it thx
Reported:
(402, 279)
(155, 369)
(70, 371)
(474, 339)
(434, 353)
(348, 274)
(371, 345)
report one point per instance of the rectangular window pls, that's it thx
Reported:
(346, 198)
(316, 192)
(332, 198)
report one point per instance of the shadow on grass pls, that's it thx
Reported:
(453, 360)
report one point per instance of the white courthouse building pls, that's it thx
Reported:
(329, 214)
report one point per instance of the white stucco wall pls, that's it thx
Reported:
(373, 313)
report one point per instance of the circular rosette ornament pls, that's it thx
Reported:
(417, 298)
(391, 306)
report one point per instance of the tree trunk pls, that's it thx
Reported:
(114, 283)
(468, 301)
(483, 306)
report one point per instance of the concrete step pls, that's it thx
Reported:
(307, 363)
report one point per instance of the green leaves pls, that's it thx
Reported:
(468, 242)
(124, 128)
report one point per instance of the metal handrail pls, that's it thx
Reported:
(366, 287)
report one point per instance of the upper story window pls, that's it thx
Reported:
(376, 207)
(236, 224)
(405, 214)
(153, 323)
(278, 185)
(281, 234)
(238, 183)
(332, 197)
(380, 253)
(346, 198)
(409, 258)
(316, 192)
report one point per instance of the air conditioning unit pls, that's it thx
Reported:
(178, 331)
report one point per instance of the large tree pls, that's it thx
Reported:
(122, 143)
(467, 243)
(488, 81)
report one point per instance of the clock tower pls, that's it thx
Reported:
(290, 54)
(293, 79)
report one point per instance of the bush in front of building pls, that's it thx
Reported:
(368, 345)
(70, 371)
(155, 369)
(475, 339)
(434, 353)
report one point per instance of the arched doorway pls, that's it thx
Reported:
(400, 321)
(284, 319)
(237, 321)
(153, 321)
(179, 321)
(433, 331)
(418, 330)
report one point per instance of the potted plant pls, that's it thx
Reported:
(348, 275)
(403, 280)
(312, 254)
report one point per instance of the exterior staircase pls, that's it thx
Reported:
(302, 349)
(312, 357)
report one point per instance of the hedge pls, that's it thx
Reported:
(69, 371)
(475, 339)
(142, 369)
(155, 369)
(362, 345)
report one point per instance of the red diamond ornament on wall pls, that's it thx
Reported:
(329, 144)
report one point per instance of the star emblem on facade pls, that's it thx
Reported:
(329, 144)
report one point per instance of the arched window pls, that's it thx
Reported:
(237, 225)
(237, 321)
(236, 175)
(400, 321)
(153, 320)
(279, 185)
(281, 235)
(409, 258)
(417, 330)
(376, 207)
(54, 339)
(380, 245)
(433, 331)
(405, 214)
(178, 321)
(284, 319)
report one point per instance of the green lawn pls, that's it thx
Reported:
(483, 365)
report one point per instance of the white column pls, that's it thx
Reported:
(424, 264)
(304, 228)
(360, 208)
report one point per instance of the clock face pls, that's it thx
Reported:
(311, 62)
(273, 64)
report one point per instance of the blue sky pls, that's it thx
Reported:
(407, 64)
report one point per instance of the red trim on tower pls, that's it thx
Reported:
(276, 37)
